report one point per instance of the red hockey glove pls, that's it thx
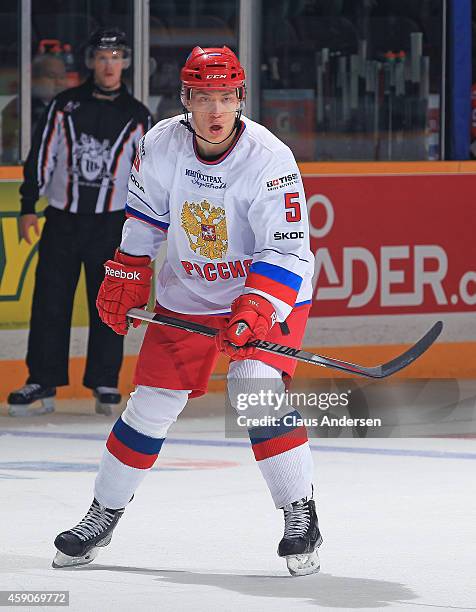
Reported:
(257, 314)
(126, 285)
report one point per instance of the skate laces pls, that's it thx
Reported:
(96, 520)
(29, 388)
(296, 519)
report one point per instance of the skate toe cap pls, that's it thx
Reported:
(17, 399)
(69, 544)
(293, 546)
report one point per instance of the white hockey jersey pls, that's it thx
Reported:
(235, 225)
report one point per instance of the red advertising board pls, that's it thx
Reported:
(393, 244)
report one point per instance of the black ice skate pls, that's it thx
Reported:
(19, 401)
(301, 538)
(80, 545)
(106, 398)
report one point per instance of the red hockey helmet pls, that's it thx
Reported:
(213, 67)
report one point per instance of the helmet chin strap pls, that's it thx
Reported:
(189, 127)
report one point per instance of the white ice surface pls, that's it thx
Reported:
(399, 529)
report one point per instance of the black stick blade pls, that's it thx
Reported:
(415, 351)
(393, 366)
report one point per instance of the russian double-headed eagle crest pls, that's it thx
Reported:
(205, 226)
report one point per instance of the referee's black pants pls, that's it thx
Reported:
(67, 241)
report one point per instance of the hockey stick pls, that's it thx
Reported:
(380, 371)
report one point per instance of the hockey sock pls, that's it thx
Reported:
(127, 458)
(282, 450)
(284, 458)
(135, 442)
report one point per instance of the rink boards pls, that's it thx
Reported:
(393, 253)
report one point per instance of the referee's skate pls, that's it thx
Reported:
(23, 402)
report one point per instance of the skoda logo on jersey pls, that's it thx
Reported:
(205, 227)
(136, 182)
(93, 157)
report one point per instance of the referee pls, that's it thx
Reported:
(80, 159)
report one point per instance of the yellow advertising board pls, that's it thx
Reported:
(18, 263)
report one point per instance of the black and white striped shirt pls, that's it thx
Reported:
(82, 151)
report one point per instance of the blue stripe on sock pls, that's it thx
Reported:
(268, 432)
(135, 440)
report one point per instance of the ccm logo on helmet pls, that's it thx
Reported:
(121, 274)
(216, 76)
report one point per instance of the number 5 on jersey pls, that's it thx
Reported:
(292, 206)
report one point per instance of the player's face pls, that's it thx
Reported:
(214, 112)
(107, 66)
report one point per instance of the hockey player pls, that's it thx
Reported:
(228, 197)
(80, 158)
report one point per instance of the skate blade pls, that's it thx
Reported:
(303, 565)
(25, 410)
(62, 560)
(105, 409)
